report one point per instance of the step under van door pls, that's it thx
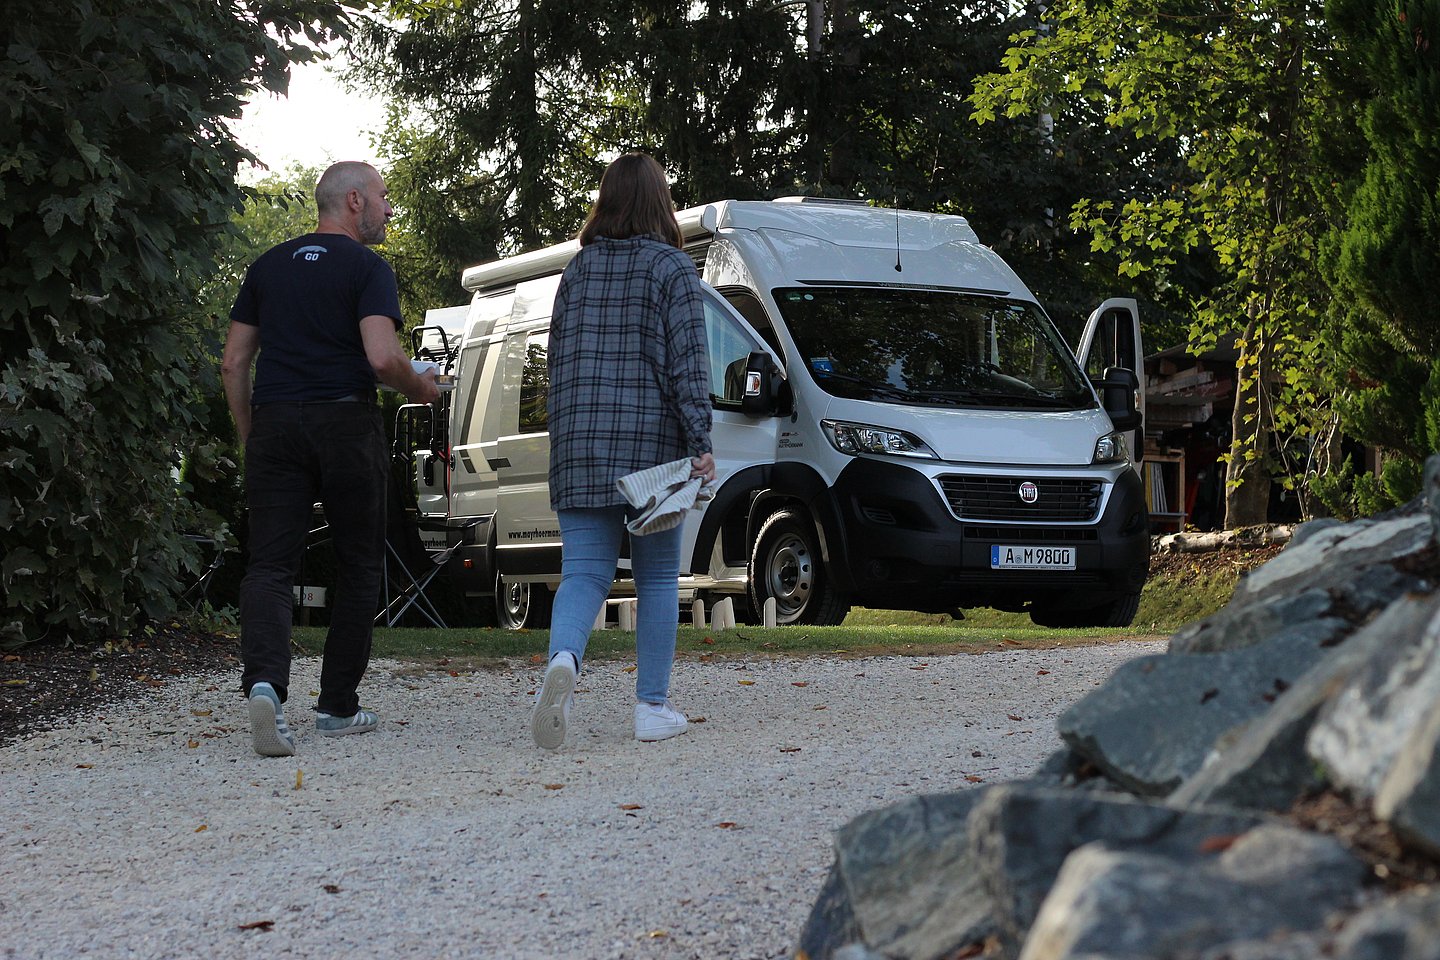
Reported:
(1112, 339)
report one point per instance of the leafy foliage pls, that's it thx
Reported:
(115, 194)
(506, 110)
(1384, 251)
(1242, 93)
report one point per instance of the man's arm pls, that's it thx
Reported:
(388, 360)
(242, 343)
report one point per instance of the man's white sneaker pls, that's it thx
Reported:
(552, 707)
(658, 722)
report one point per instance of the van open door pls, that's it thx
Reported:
(1112, 339)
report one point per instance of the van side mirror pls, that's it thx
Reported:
(763, 386)
(1117, 390)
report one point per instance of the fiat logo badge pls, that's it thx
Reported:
(1029, 493)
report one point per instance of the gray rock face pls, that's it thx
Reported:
(1234, 627)
(1265, 765)
(1404, 928)
(912, 888)
(1409, 796)
(831, 924)
(1020, 836)
(1332, 557)
(1152, 724)
(1142, 905)
(1362, 729)
(1323, 673)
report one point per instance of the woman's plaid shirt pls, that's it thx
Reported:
(629, 379)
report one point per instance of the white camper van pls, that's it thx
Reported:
(897, 424)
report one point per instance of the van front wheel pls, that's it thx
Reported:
(786, 565)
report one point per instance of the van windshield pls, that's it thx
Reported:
(932, 348)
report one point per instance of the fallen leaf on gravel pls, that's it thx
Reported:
(299, 779)
(974, 779)
(630, 669)
(537, 659)
(331, 888)
(799, 683)
(84, 766)
(1042, 673)
(1218, 843)
(657, 934)
(726, 824)
(747, 683)
(16, 683)
(314, 693)
(697, 719)
(202, 828)
(631, 806)
(554, 786)
(921, 667)
(12, 658)
(193, 744)
(201, 713)
(1013, 717)
(454, 673)
(258, 925)
(822, 707)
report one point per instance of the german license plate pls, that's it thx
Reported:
(1007, 557)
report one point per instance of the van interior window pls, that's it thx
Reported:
(932, 347)
(535, 385)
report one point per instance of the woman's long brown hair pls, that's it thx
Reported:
(634, 201)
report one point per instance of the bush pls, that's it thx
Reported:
(116, 186)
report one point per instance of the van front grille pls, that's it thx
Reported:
(997, 499)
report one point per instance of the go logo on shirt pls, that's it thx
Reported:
(311, 252)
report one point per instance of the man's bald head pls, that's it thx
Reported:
(351, 198)
(338, 180)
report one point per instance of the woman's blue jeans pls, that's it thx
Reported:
(590, 545)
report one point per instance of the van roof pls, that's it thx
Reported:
(842, 222)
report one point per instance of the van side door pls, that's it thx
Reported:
(527, 532)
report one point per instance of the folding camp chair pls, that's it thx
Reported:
(410, 568)
(407, 581)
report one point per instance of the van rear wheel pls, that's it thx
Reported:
(521, 606)
(786, 565)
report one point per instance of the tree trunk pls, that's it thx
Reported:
(1247, 476)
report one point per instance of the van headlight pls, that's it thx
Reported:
(858, 438)
(1112, 448)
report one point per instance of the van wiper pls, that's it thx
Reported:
(870, 387)
(997, 397)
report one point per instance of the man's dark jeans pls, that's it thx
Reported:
(297, 455)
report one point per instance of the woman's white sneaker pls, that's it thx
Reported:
(658, 722)
(551, 716)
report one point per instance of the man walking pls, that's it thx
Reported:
(317, 316)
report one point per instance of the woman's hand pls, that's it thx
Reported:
(703, 467)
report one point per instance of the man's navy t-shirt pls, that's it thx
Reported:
(308, 296)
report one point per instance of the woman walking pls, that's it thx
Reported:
(629, 389)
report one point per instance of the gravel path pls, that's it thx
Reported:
(152, 830)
